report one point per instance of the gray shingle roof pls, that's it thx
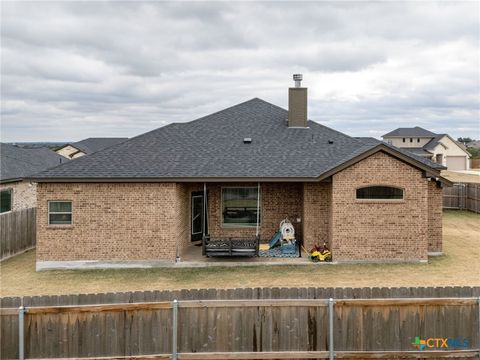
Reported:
(434, 142)
(17, 163)
(419, 151)
(416, 131)
(92, 145)
(213, 146)
(414, 153)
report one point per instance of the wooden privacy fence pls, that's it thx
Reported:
(17, 232)
(252, 329)
(462, 196)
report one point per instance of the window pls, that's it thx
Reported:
(418, 140)
(239, 206)
(6, 200)
(59, 212)
(411, 139)
(403, 139)
(380, 193)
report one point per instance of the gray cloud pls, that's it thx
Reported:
(77, 69)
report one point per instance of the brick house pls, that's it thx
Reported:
(440, 148)
(16, 164)
(238, 173)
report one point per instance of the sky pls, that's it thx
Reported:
(72, 70)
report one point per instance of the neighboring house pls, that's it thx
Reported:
(87, 146)
(17, 164)
(440, 148)
(237, 174)
(474, 144)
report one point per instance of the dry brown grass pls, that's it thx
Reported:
(461, 177)
(460, 266)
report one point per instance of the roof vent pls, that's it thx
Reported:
(247, 140)
(330, 141)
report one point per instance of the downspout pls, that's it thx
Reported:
(258, 210)
(204, 208)
(257, 235)
(204, 249)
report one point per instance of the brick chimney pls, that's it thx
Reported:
(297, 104)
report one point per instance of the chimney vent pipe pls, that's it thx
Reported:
(298, 80)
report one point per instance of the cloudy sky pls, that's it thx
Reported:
(78, 69)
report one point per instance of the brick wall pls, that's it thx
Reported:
(316, 214)
(111, 222)
(379, 230)
(435, 204)
(24, 194)
(152, 221)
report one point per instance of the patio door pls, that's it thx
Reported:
(198, 221)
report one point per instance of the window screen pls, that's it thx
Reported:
(240, 206)
(380, 193)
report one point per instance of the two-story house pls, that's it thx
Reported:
(441, 148)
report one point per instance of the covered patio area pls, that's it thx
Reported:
(254, 222)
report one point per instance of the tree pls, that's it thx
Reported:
(465, 140)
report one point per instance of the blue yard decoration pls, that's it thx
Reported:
(275, 240)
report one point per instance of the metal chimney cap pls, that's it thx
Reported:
(297, 78)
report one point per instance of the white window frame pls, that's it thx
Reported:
(59, 212)
(248, 226)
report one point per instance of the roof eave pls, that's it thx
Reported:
(6, 181)
(171, 179)
(381, 147)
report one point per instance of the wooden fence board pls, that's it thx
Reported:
(17, 232)
(462, 196)
(106, 328)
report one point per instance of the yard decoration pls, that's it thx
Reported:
(285, 237)
(320, 253)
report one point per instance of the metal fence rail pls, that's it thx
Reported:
(339, 315)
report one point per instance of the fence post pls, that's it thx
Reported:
(21, 332)
(478, 330)
(331, 353)
(174, 329)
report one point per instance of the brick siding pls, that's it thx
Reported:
(316, 214)
(435, 204)
(110, 222)
(24, 194)
(379, 230)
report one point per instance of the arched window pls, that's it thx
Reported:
(380, 193)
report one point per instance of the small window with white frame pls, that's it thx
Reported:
(60, 213)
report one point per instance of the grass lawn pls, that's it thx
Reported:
(460, 266)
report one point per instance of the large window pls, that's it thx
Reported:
(6, 197)
(380, 193)
(60, 212)
(239, 206)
